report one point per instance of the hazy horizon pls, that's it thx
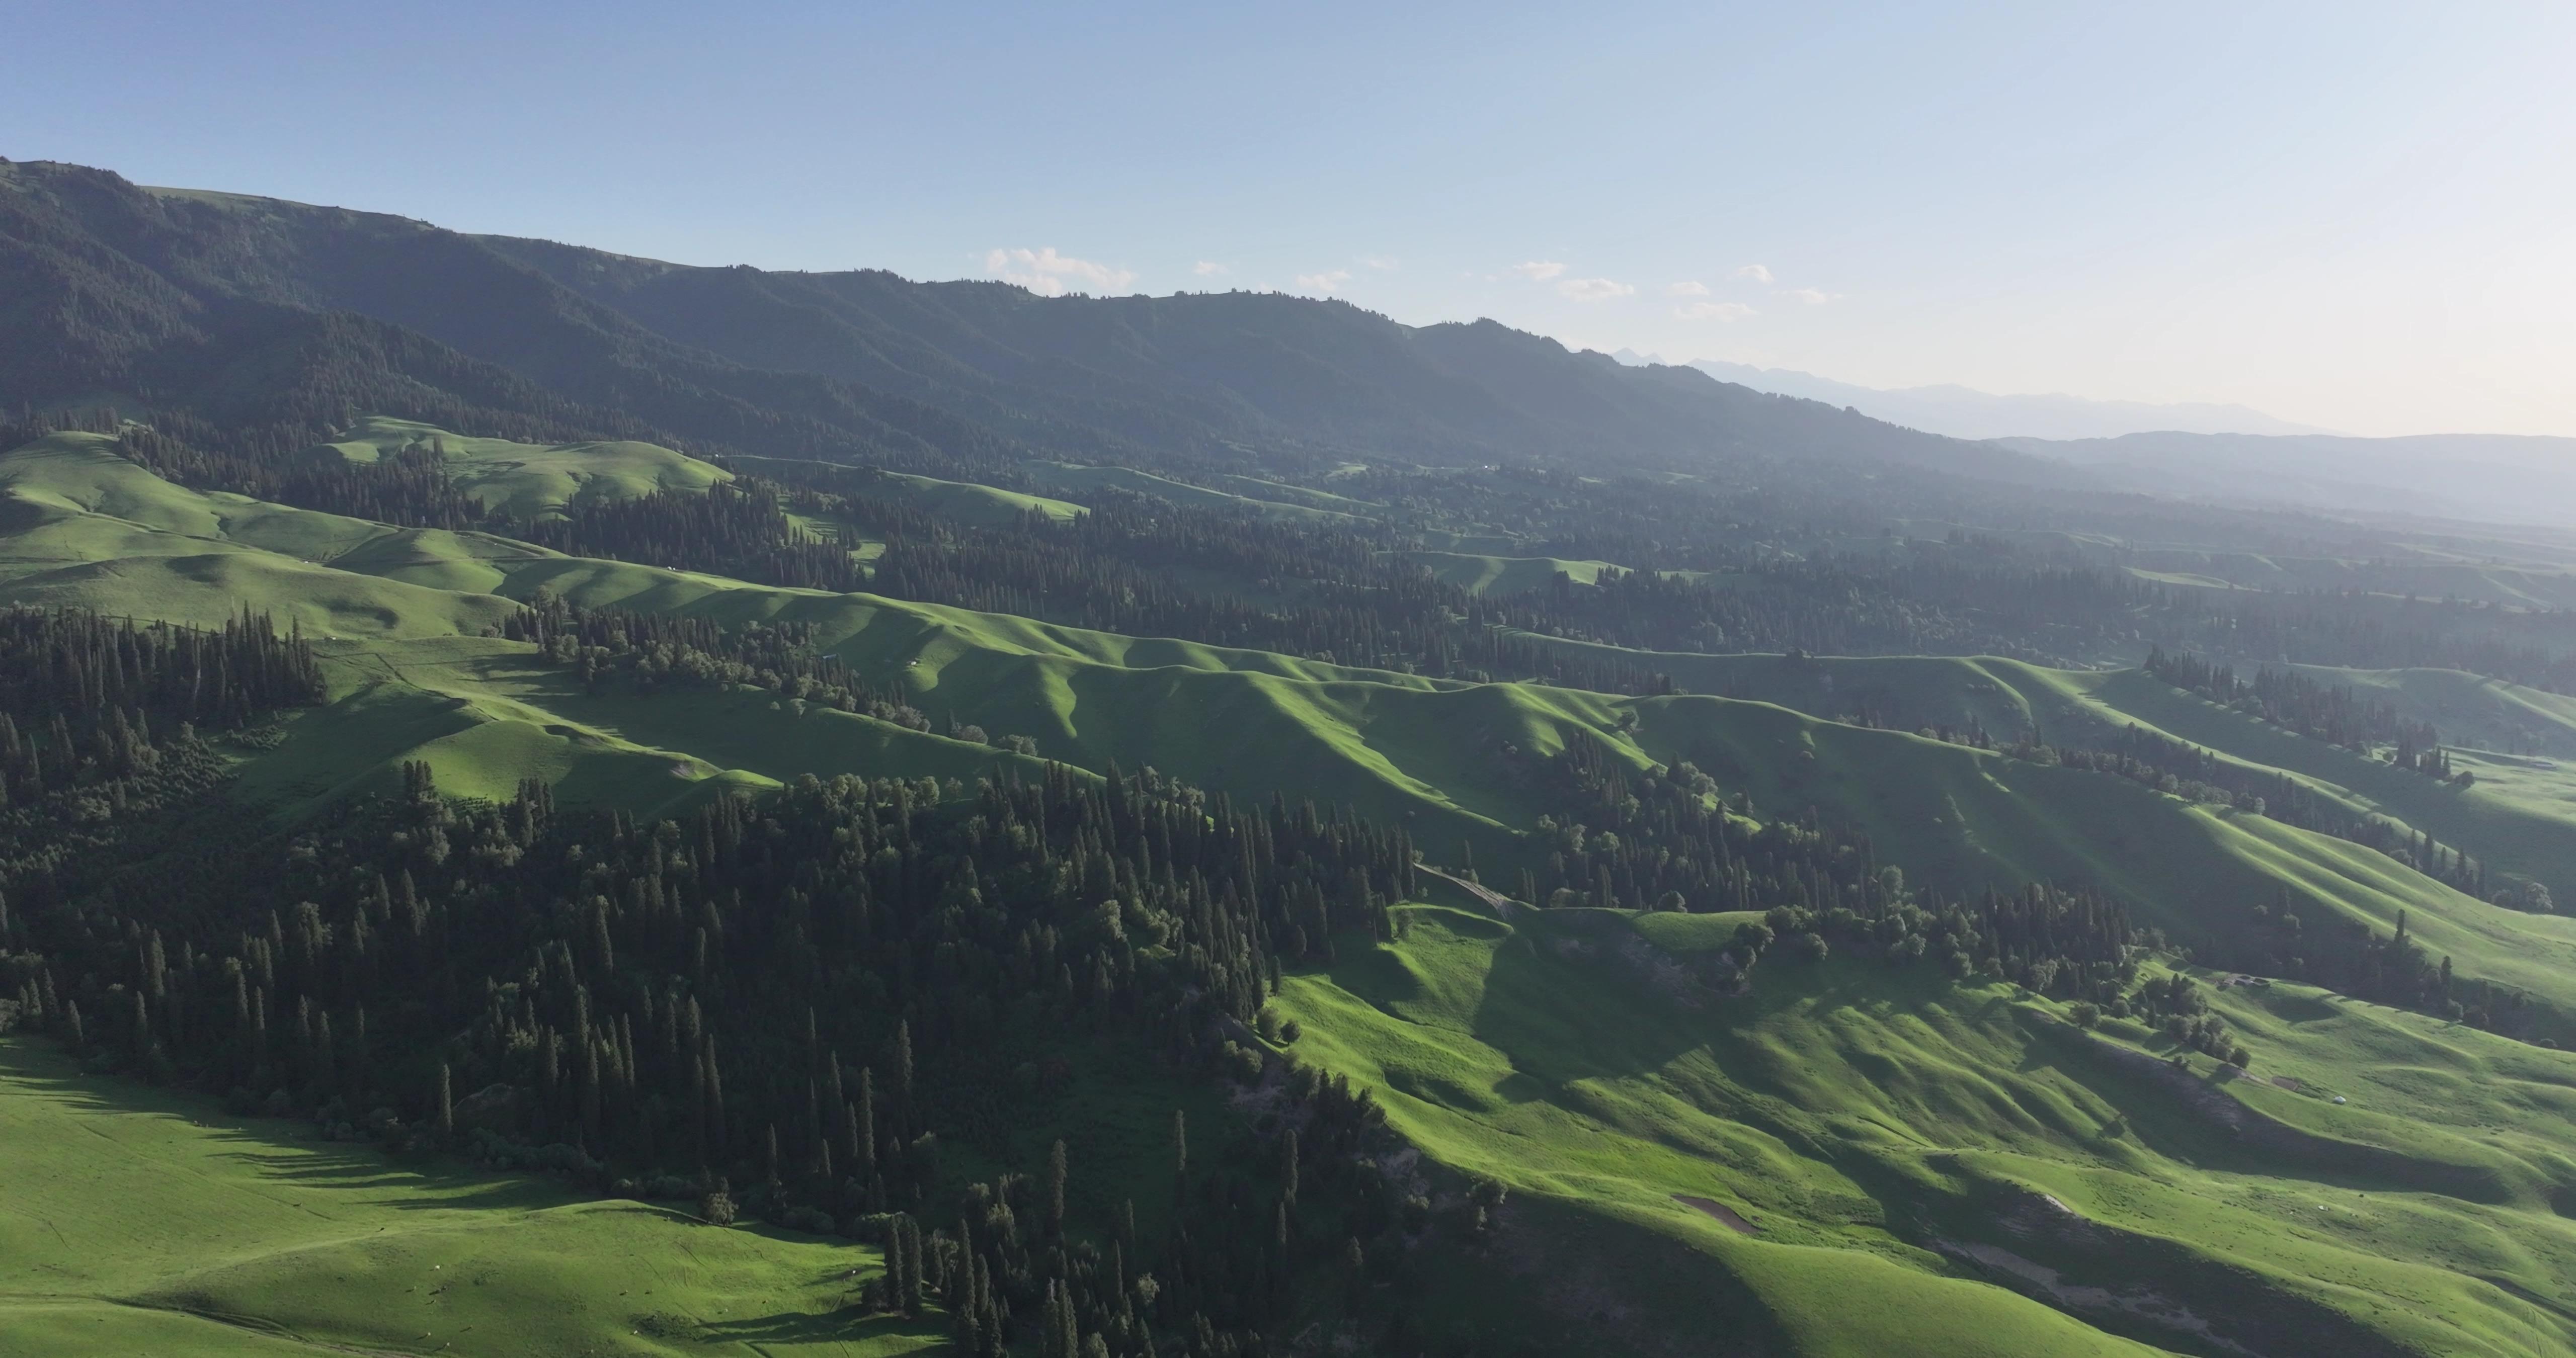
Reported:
(2330, 215)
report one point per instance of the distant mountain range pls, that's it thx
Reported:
(269, 324)
(254, 313)
(1963, 412)
(2505, 478)
(2218, 452)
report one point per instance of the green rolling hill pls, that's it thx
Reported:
(526, 480)
(1246, 722)
(414, 679)
(2515, 816)
(1124, 826)
(1844, 1159)
(1853, 1161)
(164, 1226)
(1480, 574)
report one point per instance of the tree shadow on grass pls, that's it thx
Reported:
(847, 1325)
(275, 1150)
(441, 1183)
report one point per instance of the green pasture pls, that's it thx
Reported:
(1893, 1143)
(134, 1221)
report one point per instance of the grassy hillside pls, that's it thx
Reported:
(1399, 748)
(1856, 1122)
(1280, 492)
(85, 527)
(2520, 817)
(1248, 493)
(1881, 1139)
(965, 501)
(2516, 817)
(484, 715)
(2485, 582)
(1865, 1142)
(526, 480)
(1479, 574)
(137, 1222)
(2009, 696)
(1485, 573)
(2469, 709)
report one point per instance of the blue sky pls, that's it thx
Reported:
(2351, 215)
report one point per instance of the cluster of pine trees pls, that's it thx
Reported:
(2154, 760)
(2075, 945)
(2185, 770)
(1666, 841)
(1331, 589)
(1295, 1221)
(811, 995)
(203, 426)
(68, 662)
(1143, 566)
(2368, 630)
(98, 729)
(2332, 713)
(2392, 968)
(1334, 590)
(409, 486)
(807, 996)
(1716, 582)
(739, 529)
(2174, 1004)
(618, 650)
(2178, 769)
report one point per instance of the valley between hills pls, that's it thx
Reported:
(1215, 825)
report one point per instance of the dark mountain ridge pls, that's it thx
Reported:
(160, 296)
(1243, 367)
(156, 295)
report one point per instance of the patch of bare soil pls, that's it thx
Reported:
(1504, 907)
(2138, 1302)
(1726, 1216)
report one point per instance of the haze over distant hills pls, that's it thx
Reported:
(2508, 478)
(1964, 412)
(2224, 453)
(125, 289)
(1225, 824)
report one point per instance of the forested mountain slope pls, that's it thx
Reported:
(1212, 825)
(1244, 366)
(401, 624)
(125, 286)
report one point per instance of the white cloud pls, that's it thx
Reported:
(1688, 287)
(1330, 280)
(1715, 311)
(1594, 289)
(1208, 268)
(1537, 270)
(1810, 296)
(1048, 274)
(1378, 261)
(1756, 273)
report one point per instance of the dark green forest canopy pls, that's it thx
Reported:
(806, 998)
(1636, 831)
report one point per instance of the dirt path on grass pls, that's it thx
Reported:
(1502, 906)
(1726, 1216)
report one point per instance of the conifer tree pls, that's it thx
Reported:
(1055, 1184)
